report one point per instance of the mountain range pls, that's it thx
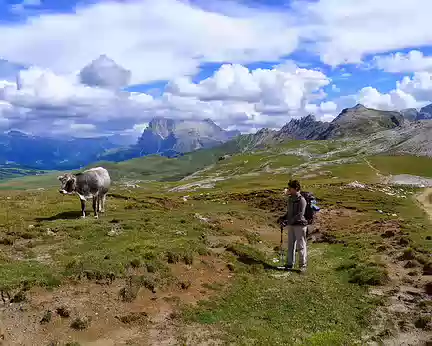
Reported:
(408, 131)
(168, 137)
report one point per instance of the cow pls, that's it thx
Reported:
(92, 183)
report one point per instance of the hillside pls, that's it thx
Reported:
(207, 273)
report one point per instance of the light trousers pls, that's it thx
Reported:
(297, 240)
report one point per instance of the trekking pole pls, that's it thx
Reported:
(281, 250)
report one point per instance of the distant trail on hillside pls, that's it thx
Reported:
(425, 199)
(383, 178)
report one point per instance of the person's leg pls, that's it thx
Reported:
(291, 247)
(300, 235)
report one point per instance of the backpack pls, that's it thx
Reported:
(311, 207)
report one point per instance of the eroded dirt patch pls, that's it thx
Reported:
(147, 319)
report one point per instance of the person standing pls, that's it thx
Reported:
(297, 226)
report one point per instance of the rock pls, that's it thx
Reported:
(201, 218)
(115, 230)
(46, 317)
(63, 311)
(80, 323)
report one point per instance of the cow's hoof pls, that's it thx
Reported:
(96, 217)
(82, 217)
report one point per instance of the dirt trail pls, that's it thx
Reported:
(425, 200)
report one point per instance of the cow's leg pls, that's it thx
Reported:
(83, 206)
(98, 201)
(95, 206)
(103, 199)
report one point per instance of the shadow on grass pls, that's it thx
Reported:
(66, 215)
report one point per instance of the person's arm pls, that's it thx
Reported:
(302, 208)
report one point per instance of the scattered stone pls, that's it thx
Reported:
(31, 226)
(115, 230)
(80, 323)
(63, 311)
(181, 233)
(201, 218)
(429, 237)
(380, 211)
(46, 317)
(356, 185)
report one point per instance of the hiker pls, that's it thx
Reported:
(297, 225)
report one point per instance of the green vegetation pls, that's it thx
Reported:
(219, 245)
(415, 165)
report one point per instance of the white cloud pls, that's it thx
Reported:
(283, 89)
(156, 40)
(104, 72)
(410, 92)
(44, 102)
(345, 31)
(413, 61)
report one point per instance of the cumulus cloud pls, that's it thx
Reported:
(104, 72)
(283, 89)
(156, 40)
(346, 31)
(232, 96)
(410, 92)
(413, 61)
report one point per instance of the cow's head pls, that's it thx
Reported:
(68, 183)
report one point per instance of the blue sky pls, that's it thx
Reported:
(199, 59)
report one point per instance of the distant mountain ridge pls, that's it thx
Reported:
(408, 131)
(22, 150)
(169, 137)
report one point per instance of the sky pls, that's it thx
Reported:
(95, 68)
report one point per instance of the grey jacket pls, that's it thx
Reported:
(296, 210)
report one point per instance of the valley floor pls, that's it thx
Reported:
(168, 266)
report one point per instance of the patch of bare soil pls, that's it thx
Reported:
(95, 314)
(425, 200)
(405, 318)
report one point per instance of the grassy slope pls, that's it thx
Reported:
(258, 307)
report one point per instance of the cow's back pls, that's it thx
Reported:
(93, 180)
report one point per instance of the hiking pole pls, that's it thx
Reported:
(281, 250)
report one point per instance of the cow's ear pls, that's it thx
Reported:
(60, 177)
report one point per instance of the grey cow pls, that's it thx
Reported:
(92, 183)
